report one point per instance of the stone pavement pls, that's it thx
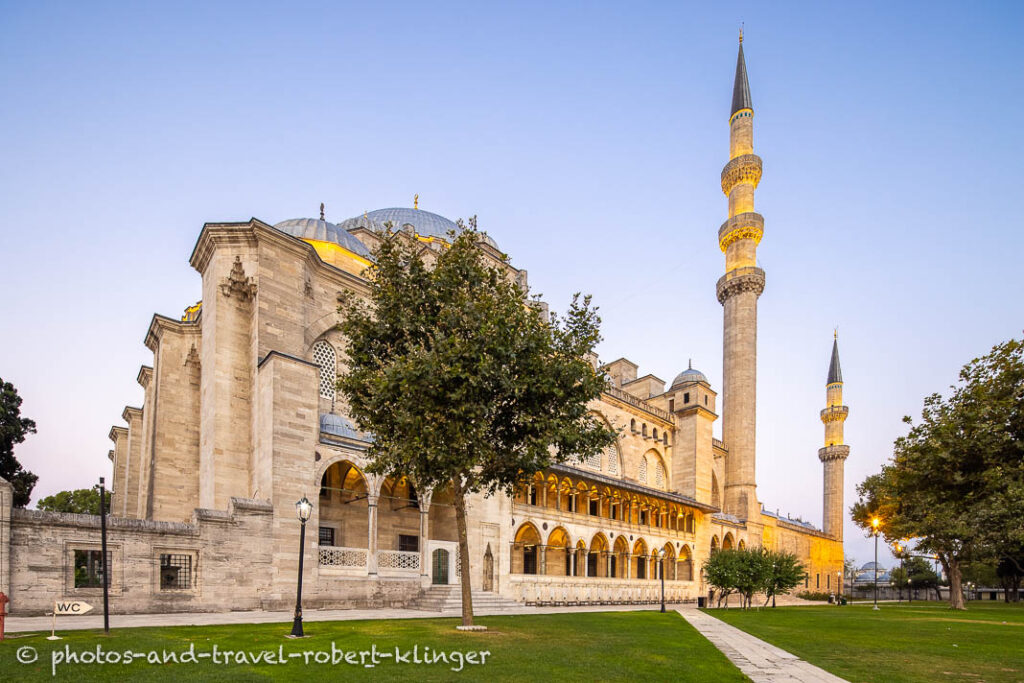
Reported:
(95, 621)
(759, 660)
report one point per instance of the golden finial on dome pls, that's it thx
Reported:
(416, 201)
(741, 33)
(835, 333)
(321, 210)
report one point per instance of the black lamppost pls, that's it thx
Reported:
(661, 559)
(103, 558)
(304, 509)
(874, 525)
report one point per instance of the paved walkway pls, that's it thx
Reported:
(759, 660)
(95, 621)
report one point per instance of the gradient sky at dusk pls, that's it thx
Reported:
(587, 137)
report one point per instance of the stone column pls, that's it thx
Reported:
(371, 559)
(424, 539)
(586, 563)
(542, 560)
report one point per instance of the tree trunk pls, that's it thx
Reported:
(956, 595)
(459, 501)
(768, 598)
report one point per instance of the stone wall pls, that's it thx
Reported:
(40, 547)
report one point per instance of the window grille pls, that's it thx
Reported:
(325, 357)
(89, 569)
(175, 571)
(613, 459)
(642, 476)
(326, 536)
(594, 461)
(659, 475)
(408, 543)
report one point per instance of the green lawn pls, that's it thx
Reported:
(899, 642)
(585, 646)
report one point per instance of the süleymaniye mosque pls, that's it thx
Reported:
(239, 417)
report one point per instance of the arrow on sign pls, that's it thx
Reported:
(72, 607)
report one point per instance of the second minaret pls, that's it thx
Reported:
(738, 291)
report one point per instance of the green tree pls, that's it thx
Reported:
(13, 430)
(80, 501)
(460, 378)
(920, 575)
(955, 482)
(722, 572)
(782, 573)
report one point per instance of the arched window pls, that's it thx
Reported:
(644, 430)
(326, 359)
(594, 461)
(655, 434)
(632, 426)
(642, 474)
(659, 475)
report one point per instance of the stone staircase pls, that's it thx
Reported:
(449, 599)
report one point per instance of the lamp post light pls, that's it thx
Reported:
(304, 509)
(874, 525)
(661, 562)
(839, 582)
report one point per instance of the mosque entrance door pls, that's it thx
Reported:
(440, 567)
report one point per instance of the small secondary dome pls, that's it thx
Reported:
(689, 375)
(323, 231)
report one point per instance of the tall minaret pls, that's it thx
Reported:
(834, 454)
(738, 291)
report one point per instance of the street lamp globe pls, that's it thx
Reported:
(304, 509)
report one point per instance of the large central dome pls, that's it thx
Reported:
(424, 223)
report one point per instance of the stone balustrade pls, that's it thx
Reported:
(555, 590)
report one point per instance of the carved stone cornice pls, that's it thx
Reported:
(742, 226)
(742, 169)
(835, 414)
(749, 279)
(833, 453)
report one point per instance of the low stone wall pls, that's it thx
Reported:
(228, 558)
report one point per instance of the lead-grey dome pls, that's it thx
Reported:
(689, 375)
(323, 231)
(423, 223)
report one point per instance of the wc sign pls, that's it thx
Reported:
(71, 607)
(67, 608)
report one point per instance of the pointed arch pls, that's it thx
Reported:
(685, 564)
(557, 560)
(728, 542)
(716, 496)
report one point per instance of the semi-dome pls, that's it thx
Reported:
(319, 230)
(424, 223)
(338, 426)
(689, 375)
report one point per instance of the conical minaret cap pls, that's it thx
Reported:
(741, 87)
(835, 373)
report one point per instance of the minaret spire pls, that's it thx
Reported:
(741, 86)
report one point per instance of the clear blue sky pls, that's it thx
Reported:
(588, 137)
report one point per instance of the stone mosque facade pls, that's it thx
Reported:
(240, 419)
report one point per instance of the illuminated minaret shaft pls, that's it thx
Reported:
(738, 291)
(834, 454)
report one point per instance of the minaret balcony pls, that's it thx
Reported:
(828, 453)
(834, 413)
(743, 169)
(748, 225)
(747, 279)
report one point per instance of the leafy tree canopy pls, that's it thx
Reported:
(13, 430)
(955, 483)
(79, 501)
(460, 378)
